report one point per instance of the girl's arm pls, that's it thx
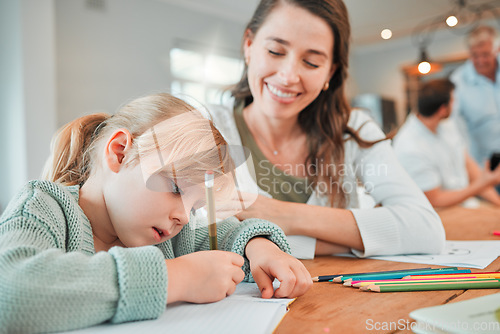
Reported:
(50, 280)
(45, 289)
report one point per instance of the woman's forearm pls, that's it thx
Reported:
(335, 226)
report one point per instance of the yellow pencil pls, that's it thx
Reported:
(212, 226)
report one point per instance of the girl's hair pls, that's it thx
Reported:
(195, 144)
(324, 120)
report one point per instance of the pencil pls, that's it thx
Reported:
(358, 284)
(403, 274)
(338, 278)
(468, 275)
(212, 226)
(330, 277)
(496, 232)
(432, 286)
(402, 282)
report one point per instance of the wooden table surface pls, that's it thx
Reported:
(333, 308)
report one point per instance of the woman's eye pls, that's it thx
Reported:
(311, 64)
(275, 53)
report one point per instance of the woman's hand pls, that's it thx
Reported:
(268, 262)
(203, 277)
(269, 209)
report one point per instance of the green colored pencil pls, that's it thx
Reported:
(432, 286)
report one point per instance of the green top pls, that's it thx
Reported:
(51, 279)
(270, 178)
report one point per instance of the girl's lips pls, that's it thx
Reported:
(159, 233)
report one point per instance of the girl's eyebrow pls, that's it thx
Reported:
(286, 43)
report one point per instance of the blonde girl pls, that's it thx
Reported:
(94, 242)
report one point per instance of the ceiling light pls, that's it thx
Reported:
(451, 21)
(424, 67)
(386, 34)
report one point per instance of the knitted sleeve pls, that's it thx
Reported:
(44, 288)
(233, 235)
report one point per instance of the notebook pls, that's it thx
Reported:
(242, 312)
(477, 315)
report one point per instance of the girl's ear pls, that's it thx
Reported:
(117, 147)
(247, 43)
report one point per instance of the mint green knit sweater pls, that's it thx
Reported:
(51, 279)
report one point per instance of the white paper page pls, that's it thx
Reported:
(243, 312)
(477, 315)
(468, 254)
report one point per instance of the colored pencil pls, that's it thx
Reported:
(469, 275)
(401, 275)
(362, 284)
(326, 278)
(212, 226)
(432, 286)
(357, 284)
(496, 232)
(343, 277)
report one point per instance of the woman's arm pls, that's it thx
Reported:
(310, 220)
(405, 222)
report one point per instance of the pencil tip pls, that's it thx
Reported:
(315, 279)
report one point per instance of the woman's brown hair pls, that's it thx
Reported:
(324, 120)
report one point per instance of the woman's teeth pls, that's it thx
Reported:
(279, 93)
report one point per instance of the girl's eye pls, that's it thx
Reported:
(310, 64)
(274, 53)
(175, 189)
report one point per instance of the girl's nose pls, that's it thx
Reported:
(180, 213)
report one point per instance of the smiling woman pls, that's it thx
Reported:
(290, 109)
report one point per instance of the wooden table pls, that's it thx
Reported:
(333, 308)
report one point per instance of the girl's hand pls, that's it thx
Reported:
(203, 277)
(268, 262)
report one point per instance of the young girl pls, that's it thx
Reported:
(75, 250)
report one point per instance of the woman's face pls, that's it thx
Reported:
(141, 216)
(289, 61)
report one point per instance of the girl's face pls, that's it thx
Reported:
(290, 59)
(143, 217)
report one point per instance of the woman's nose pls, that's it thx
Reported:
(289, 71)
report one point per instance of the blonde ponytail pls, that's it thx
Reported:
(69, 161)
(74, 149)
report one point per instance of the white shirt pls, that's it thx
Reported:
(405, 223)
(433, 160)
